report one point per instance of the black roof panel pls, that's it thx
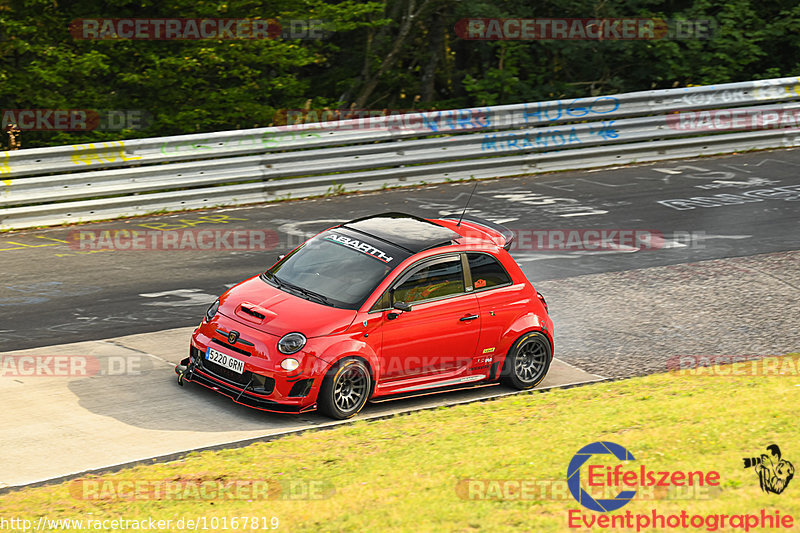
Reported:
(407, 231)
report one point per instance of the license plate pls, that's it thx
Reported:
(231, 363)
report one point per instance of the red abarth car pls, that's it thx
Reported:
(383, 306)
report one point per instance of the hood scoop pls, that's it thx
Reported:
(254, 313)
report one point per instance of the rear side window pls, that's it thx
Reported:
(486, 271)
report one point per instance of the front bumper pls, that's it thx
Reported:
(262, 384)
(188, 371)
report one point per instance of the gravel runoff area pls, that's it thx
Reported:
(622, 324)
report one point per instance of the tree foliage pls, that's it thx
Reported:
(398, 54)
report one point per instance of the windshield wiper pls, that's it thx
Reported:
(272, 277)
(310, 294)
(301, 290)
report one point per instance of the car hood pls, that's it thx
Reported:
(258, 304)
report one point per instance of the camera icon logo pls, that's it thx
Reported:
(774, 472)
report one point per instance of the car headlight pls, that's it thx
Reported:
(289, 364)
(291, 343)
(212, 311)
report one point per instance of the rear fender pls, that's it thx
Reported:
(524, 324)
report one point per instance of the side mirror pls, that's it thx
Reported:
(400, 306)
(281, 257)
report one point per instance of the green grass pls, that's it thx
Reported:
(401, 474)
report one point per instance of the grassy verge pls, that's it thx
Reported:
(403, 474)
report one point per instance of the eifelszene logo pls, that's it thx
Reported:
(774, 473)
(574, 476)
(605, 473)
(599, 476)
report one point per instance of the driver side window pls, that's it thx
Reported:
(431, 280)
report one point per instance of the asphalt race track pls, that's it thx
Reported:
(130, 408)
(52, 293)
(719, 275)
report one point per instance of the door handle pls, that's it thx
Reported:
(468, 317)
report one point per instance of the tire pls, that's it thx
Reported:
(527, 362)
(345, 390)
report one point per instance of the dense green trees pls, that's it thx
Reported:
(397, 54)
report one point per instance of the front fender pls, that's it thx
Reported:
(338, 349)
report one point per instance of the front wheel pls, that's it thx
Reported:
(527, 361)
(345, 389)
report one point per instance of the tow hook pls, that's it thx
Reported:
(183, 370)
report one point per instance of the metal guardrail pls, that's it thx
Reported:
(46, 186)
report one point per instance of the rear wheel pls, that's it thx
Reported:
(345, 389)
(527, 361)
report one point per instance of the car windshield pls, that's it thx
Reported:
(335, 268)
